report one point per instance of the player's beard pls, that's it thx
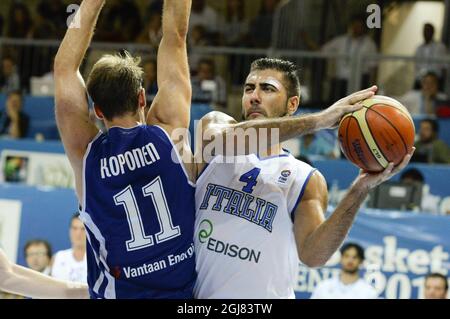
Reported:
(284, 114)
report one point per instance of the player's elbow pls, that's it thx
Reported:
(175, 41)
(182, 31)
(312, 260)
(60, 67)
(313, 263)
(64, 65)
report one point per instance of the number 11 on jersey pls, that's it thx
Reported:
(139, 239)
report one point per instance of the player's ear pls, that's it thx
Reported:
(98, 113)
(292, 106)
(142, 98)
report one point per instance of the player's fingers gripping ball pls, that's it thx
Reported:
(379, 133)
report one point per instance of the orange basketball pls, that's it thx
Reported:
(379, 133)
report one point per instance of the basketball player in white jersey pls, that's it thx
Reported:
(259, 214)
(22, 281)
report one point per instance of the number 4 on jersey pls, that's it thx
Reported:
(250, 178)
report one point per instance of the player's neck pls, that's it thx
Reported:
(124, 122)
(272, 151)
(348, 278)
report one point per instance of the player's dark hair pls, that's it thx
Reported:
(289, 70)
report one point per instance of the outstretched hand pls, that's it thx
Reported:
(331, 117)
(368, 180)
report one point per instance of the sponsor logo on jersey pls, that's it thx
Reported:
(148, 268)
(232, 250)
(284, 176)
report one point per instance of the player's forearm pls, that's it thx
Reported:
(78, 38)
(175, 22)
(267, 132)
(288, 127)
(26, 282)
(325, 240)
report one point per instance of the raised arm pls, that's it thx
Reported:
(317, 239)
(171, 106)
(72, 115)
(19, 280)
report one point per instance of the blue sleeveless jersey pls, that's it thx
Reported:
(139, 215)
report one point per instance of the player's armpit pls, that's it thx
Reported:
(309, 215)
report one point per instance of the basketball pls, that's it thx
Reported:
(378, 134)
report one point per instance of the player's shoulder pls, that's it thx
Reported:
(303, 167)
(216, 117)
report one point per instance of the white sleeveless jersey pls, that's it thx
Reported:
(244, 234)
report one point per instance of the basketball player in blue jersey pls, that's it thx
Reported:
(258, 214)
(22, 281)
(136, 195)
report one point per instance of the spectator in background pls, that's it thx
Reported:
(429, 148)
(234, 29)
(313, 145)
(71, 264)
(436, 286)
(429, 203)
(349, 285)
(9, 77)
(53, 13)
(1, 25)
(14, 123)
(412, 176)
(121, 22)
(354, 43)
(155, 6)
(202, 14)
(20, 23)
(428, 50)
(428, 99)
(235, 25)
(150, 80)
(198, 37)
(207, 87)
(152, 32)
(43, 27)
(261, 26)
(38, 255)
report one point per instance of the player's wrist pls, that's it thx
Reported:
(361, 186)
(319, 121)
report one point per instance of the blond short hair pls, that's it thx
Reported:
(114, 84)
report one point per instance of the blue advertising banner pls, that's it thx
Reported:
(400, 250)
